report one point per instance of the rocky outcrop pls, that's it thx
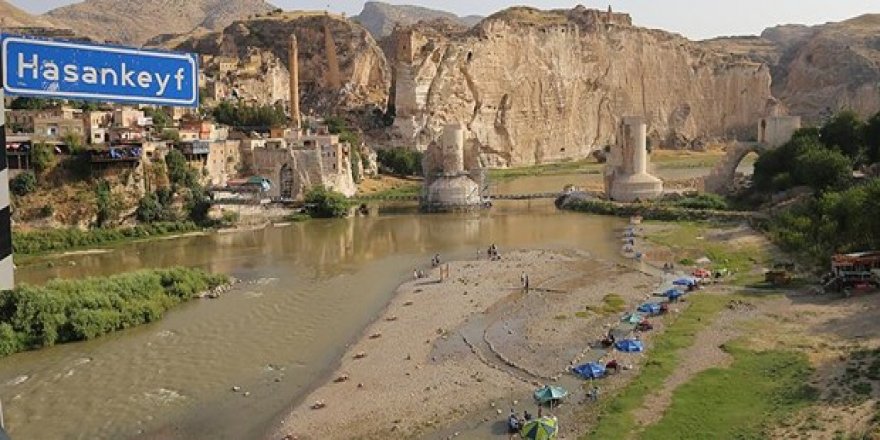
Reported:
(363, 69)
(135, 22)
(837, 66)
(381, 18)
(12, 17)
(543, 86)
(818, 70)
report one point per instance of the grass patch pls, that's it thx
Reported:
(404, 190)
(570, 167)
(611, 304)
(62, 240)
(615, 418)
(687, 240)
(299, 217)
(743, 401)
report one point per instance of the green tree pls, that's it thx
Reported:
(179, 172)
(74, 143)
(872, 139)
(243, 115)
(170, 134)
(107, 206)
(355, 158)
(160, 118)
(846, 132)
(822, 169)
(42, 157)
(324, 203)
(23, 184)
(198, 204)
(773, 168)
(401, 161)
(24, 103)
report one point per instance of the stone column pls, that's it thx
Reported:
(295, 113)
(452, 141)
(334, 79)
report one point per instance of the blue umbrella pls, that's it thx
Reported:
(673, 294)
(590, 370)
(685, 282)
(650, 308)
(630, 346)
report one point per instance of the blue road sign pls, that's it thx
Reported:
(61, 69)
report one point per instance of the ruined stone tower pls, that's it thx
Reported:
(448, 185)
(333, 76)
(295, 113)
(626, 173)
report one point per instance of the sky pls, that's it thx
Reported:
(696, 19)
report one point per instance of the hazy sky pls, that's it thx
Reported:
(693, 18)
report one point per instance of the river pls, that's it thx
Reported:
(308, 289)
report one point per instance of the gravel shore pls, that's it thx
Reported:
(449, 350)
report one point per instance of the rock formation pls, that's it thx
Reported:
(12, 17)
(544, 86)
(363, 69)
(819, 70)
(626, 173)
(381, 18)
(135, 22)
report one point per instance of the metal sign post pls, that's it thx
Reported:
(7, 280)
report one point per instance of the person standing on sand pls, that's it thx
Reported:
(415, 274)
(527, 283)
(522, 280)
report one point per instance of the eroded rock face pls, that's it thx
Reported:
(537, 86)
(364, 73)
(836, 67)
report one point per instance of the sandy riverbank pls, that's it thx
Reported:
(444, 351)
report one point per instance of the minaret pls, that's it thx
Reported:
(333, 78)
(295, 114)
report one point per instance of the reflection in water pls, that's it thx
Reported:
(309, 289)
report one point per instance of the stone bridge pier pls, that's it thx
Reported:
(720, 180)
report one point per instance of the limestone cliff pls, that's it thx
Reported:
(12, 17)
(542, 86)
(364, 74)
(818, 70)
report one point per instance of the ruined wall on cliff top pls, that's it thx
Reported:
(542, 86)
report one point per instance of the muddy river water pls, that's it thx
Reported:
(308, 289)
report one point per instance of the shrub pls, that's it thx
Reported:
(243, 115)
(107, 206)
(324, 203)
(74, 310)
(401, 161)
(703, 201)
(23, 184)
(42, 157)
(179, 172)
(60, 240)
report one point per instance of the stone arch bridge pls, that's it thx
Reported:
(720, 180)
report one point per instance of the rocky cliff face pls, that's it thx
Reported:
(135, 22)
(537, 86)
(837, 66)
(381, 18)
(12, 17)
(365, 75)
(818, 70)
